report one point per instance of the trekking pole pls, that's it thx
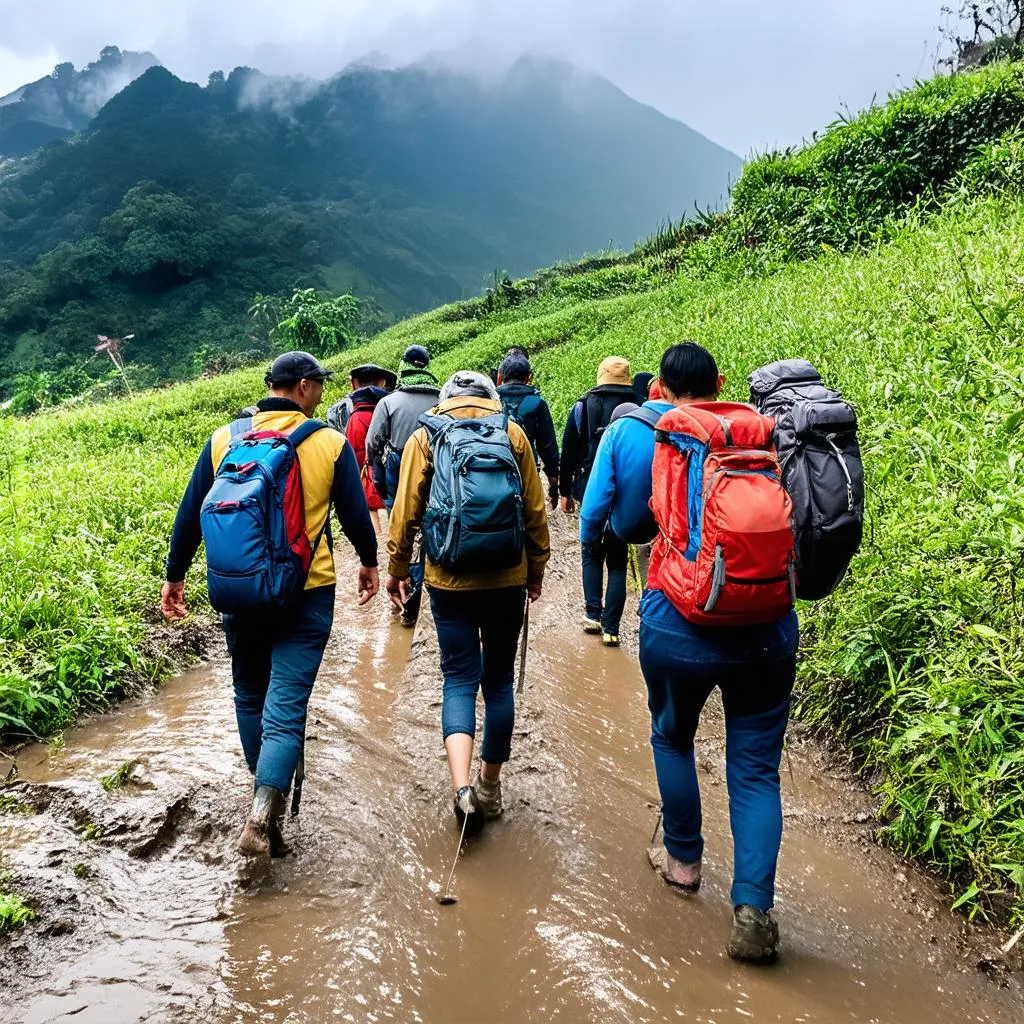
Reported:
(657, 825)
(300, 777)
(447, 897)
(522, 646)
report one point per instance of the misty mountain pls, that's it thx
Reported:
(65, 101)
(408, 187)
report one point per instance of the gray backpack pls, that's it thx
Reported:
(816, 439)
(473, 522)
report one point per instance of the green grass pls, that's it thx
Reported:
(915, 662)
(14, 912)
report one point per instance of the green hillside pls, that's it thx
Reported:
(914, 310)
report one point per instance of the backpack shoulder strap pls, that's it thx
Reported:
(305, 430)
(240, 426)
(648, 416)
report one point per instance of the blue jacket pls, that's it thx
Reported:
(619, 489)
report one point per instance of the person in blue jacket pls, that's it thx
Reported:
(616, 505)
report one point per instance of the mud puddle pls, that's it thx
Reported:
(558, 916)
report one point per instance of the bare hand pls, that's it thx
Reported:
(399, 589)
(533, 591)
(369, 584)
(567, 504)
(172, 601)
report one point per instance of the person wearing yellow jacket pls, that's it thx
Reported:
(478, 616)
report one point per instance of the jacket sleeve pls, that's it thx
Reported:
(377, 433)
(600, 493)
(410, 501)
(186, 535)
(572, 451)
(547, 442)
(349, 502)
(535, 509)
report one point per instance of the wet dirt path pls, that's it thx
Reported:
(559, 916)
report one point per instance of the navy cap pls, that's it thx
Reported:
(417, 355)
(292, 367)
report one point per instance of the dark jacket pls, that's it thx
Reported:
(524, 404)
(583, 429)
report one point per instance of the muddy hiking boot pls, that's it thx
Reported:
(591, 626)
(279, 846)
(488, 795)
(755, 936)
(467, 807)
(267, 807)
(610, 639)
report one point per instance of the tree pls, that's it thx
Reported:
(996, 28)
(322, 327)
(264, 315)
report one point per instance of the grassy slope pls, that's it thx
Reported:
(915, 660)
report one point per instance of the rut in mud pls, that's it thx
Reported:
(146, 914)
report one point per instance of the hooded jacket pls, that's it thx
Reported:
(533, 414)
(414, 489)
(398, 414)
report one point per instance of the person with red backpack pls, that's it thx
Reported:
(259, 498)
(718, 611)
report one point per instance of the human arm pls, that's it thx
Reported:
(410, 501)
(377, 434)
(572, 451)
(350, 506)
(186, 535)
(535, 513)
(600, 493)
(544, 436)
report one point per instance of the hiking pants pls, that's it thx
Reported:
(274, 661)
(478, 632)
(614, 553)
(755, 668)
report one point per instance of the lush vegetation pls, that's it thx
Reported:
(916, 662)
(405, 188)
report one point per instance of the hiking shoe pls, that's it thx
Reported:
(680, 875)
(467, 806)
(267, 804)
(592, 626)
(278, 845)
(488, 795)
(610, 639)
(755, 936)
(407, 620)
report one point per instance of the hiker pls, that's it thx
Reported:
(482, 562)
(276, 638)
(524, 405)
(368, 375)
(513, 350)
(352, 415)
(642, 387)
(583, 429)
(684, 652)
(393, 422)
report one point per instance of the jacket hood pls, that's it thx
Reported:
(468, 407)
(518, 389)
(368, 394)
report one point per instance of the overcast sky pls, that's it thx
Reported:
(749, 74)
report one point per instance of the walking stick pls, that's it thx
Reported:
(522, 646)
(300, 777)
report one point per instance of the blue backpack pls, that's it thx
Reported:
(258, 553)
(473, 522)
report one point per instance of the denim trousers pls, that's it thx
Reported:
(275, 657)
(478, 633)
(755, 668)
(614, 553)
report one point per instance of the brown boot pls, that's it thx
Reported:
(278, 846)
(266, 805)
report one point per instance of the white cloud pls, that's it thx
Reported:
(746, 73)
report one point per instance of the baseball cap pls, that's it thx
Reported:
(417, 355)
(292, 367)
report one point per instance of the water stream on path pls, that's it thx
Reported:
(559, 917)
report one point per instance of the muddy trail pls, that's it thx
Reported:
(146, 913)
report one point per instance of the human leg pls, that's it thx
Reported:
(249, 643)
(616, 558)
(592, 557)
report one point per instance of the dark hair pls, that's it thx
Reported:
(689, 371)
(515, 367)
(517, 350)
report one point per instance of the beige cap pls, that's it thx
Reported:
(615, 370)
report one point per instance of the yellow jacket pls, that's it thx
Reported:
(317, 456)
(414, 488)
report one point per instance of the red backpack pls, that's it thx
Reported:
(725, 551)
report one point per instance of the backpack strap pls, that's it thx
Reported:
(648, 416)
(305, 430)
(241, 426)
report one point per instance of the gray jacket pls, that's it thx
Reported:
(396, 418)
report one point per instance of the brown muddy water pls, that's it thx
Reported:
(559, 917)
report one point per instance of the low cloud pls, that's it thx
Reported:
(747, 74)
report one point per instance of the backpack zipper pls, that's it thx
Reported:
(846, 471)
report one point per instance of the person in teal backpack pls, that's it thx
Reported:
(470, 480)
(260, 498)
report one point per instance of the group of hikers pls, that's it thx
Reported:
(716, 497)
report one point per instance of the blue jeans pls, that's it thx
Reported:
(478, 632)
(274, 661)
(614, 553)
(755, 667)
